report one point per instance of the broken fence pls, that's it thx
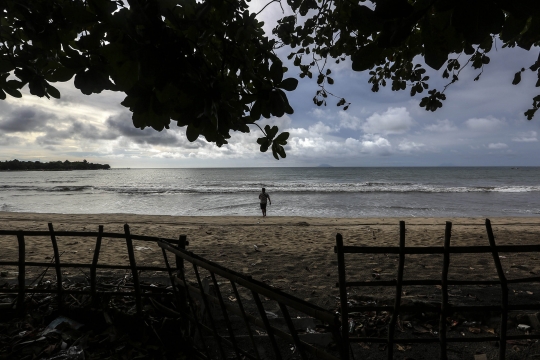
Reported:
(214, 318)
(213, 323)
(217, 314)
(22, 264)
(446, 308)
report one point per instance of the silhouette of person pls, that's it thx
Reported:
(264, 197)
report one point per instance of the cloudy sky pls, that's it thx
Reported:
(480, 124)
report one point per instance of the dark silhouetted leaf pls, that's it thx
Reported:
(289, 84)
(517, 78)
(192, 133)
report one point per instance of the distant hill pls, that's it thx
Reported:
(51, 166)
(325, 165)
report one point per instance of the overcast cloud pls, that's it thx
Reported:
(480, 124)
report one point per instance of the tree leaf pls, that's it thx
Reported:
(61, 74)
(271, 132)
(517, 78)
(277, 104)
(276, 71)
(288, 84)
(192, 133)
(256, 110)
(366, 57)
(282, 137)
(6, 66)
(51, 90)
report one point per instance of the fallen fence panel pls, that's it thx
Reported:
(277, 338)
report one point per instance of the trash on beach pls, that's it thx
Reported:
(60, 323)
(523, 327)
(73, 353)
(142, 248)
(256, 248)
(271, 315)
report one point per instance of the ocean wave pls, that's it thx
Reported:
(60, 181)
(290, 187)
(7, 207)
(69, 188)
(319, 188)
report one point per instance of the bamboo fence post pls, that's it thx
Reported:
(225, 315)
(22, 271)
(134, 272)
(180, 272)
(246, 321)
(209, 310)
(57, 266)
(344, 350)
(192, 303)
(93, 269)
(444, 290)
(293, 331)
(198, 324)
(267, 325)
(504, 291)
(399, 286)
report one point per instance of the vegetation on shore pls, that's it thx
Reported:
(51, 166)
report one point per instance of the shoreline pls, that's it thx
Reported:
(236, 220)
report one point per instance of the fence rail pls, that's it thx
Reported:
(444, 308)
(22, 264)
(202, 305)
(215, 304)
(227, 312)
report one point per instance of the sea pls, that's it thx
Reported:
(349, 192)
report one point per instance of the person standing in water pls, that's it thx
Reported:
(264, 197)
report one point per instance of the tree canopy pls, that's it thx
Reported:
(208, 66)
(51, 166)
(388, 37)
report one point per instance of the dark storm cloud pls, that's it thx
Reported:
(6, 140)
(86, 131)
(24, 120)
(122, 125)
(77, 130)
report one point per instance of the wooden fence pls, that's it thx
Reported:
(215, 316)
(209, 316)
(228, 313)
(446, 308)
(22, 264)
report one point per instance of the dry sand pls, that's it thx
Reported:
(294, 254)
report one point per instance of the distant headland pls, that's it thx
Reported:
(16, 165)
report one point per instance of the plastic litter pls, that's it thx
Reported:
(73, 353)
(60, 320)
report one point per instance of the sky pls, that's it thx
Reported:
(481, 124)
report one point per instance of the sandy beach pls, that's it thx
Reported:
(294, 254)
